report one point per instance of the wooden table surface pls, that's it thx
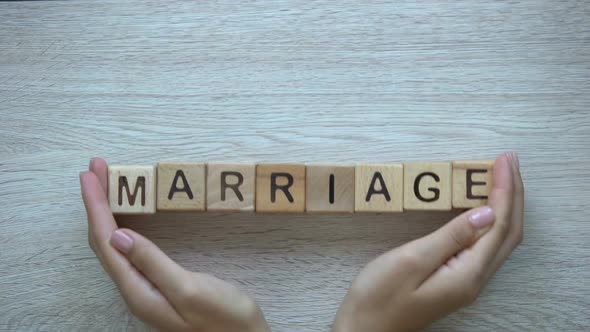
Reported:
(347, 81)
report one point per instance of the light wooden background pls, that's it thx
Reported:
(305, 81)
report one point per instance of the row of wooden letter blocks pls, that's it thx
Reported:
(296, 188)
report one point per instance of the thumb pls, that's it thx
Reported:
(152, 262)
(460, 233)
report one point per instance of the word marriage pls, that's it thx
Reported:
(297, 188)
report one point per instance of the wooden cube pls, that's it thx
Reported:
(280, 188)
(230, 187)
(132, 189)
(181, 186)
(379, 188)
(427, 186)
(472, 182)
(329, 188)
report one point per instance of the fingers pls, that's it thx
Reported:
(99, 167)
(155, 265)
(195, 297)
(438, 247)
(501, 200)
(515, 234)
(141, 297)
(517, 218)
(101, 223)
(461, 281)
(94, 194)
(144, 300)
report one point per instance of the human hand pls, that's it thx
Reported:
(155, 288)
(413, 285)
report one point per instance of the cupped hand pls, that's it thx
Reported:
(413, 285)
(155, 288)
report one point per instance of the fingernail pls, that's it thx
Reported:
(481, 217)
(514, 159)
(91, 163)
(121, 241)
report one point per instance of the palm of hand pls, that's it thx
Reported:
(422, 281)
(404, 289)
(155, 288)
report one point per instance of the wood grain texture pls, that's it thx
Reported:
(231, 187)
(285, 81)
(472, 182)
(132, 189)
(329, 188)
(280, 188)
(182, 186)
(428, 186)
(379, 188)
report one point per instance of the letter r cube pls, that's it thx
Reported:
(280, 188)
(230, 187)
